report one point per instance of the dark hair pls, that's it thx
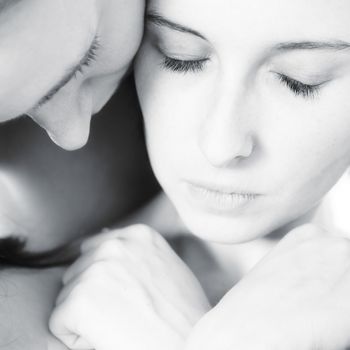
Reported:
(13, 253)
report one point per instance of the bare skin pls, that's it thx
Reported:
(26, 299)
(31, 293)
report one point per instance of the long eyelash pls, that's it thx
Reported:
(86, 62)
(183, 66)
(299, 88)
(90, 58)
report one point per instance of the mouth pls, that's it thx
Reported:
(217, 200)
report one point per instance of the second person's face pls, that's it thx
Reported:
(61, 60)
(246, 108)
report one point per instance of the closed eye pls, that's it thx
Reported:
(88, 59)
(299, 88)
(183, 66)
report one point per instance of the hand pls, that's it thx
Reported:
(297, 297)
(128, 290)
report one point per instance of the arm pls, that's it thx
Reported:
(297, 297)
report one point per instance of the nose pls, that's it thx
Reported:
(226, 136)
(66, 119)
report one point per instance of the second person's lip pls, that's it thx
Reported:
(219, 200)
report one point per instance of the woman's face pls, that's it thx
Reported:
(247, 109)
(61, 60)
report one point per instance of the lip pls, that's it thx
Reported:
(219, 200)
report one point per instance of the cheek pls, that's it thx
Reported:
(306, 144)
(171, 118)
(12, 107)
(172, 103)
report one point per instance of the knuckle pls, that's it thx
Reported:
(142, 230)
(106, 272)
(143, 233)
(109, 248)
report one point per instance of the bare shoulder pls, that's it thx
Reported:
(26, 299)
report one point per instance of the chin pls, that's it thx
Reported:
(224, 230)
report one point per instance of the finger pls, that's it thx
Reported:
(95, 274)
(75, 342)
(61, 325)
(67, 290)
(109, 250)
(96, 240)
(129, 233)
(79, 266)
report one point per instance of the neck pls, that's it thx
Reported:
(333, 213)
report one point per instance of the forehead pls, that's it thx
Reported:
(277, 20)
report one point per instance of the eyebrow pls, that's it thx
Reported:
(87, 58)
(159, 20)
(337, 45)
